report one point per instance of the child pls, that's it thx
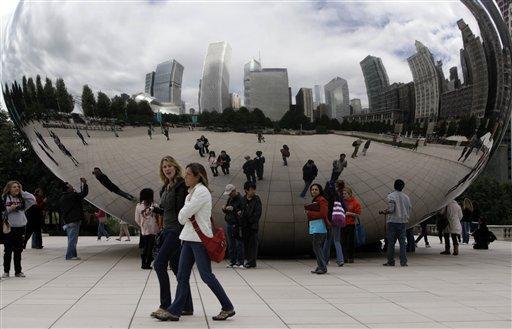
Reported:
(212, 161)
(285, 152)
(147, 221)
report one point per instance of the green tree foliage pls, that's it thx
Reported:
(452, 128)
(64, 99)
(31, 89)
(238, 120)
(117, 108)
(50, 100)
(294, 119)
(103, 105)
(145, 112)
(39, 90)
(88, 101)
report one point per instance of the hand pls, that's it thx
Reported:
(239, 212)
(230, 208)
(223, 207)
(13, 207)
(83, 180)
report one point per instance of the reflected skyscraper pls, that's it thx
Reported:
(150, 82)
(376, 80)
(317, 97)
(304, 101)
(167, 82)
(214, 87)
(269, 92)
(252, 66)
(356, 106)
(337, 98)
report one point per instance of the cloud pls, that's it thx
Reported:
(111, 46)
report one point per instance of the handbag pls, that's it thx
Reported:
(360, 234)
(317, 226)
(338, 215)
(315, 206)
(6, 227)
(216, 245)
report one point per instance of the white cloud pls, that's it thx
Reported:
(111, 46)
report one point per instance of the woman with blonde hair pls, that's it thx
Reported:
(352, 211)
(467, 216)
(172, 199)
(15, 201)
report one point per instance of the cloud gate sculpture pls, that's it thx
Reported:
(472, 111)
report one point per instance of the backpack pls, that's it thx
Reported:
(196, 146)
(338, 215)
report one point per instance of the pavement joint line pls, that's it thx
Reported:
(44, 284)
(200, 298)
(140, 298)
(92, 287)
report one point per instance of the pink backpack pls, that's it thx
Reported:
(338, 215)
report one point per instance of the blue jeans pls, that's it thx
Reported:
(102, 231)
(169, 252)
(72, 230)
(333, 236)
(306, 187)
(235, 246)
(466, 228)
(194, 252)
(396, 231)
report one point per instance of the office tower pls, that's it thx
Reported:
(375, 78)
(235, 100)
(304, 102)
(269, 92)
(356, 106)
(150, 82)
(337, 98)
(214, 90)
(167, 82)
(252, 66)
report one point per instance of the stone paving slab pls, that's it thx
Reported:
(107, 289)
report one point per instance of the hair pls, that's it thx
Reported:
(7, 188)
(258, 153)
(146, 196)
(340, 184)
(320, 188)
(310, 162)
(248, 185)
(39, 192)
(343, 155)
(467, 204)
(212, 153)
(198, 170)
(399, 185)
(285, 146)
(179, 172)
(222, 151)
(349, 191)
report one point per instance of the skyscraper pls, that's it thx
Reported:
(375, 78)
(356, 105)
(214, 90)
(426, 84)
(167, 82)
(304, 102)
(337, 99)
(269, 92)
(150, 82)
(317, 97)
(252, 66)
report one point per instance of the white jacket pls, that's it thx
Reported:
(146, 220)
(454, 215)
(199, 203)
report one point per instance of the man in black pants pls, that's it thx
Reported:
(259, 161)
(250, 218)
(105, 181)
(249, 169)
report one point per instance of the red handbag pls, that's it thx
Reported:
(216, 245)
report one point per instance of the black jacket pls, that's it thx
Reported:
(249, 167)
(259, 161)
(105, 181)
(225, 160)
(231, 216)
(171, 201)
(251, 213)
(70, 205)
(309, 172)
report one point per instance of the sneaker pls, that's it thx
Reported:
(427, 246)
(5, 275)
(75, 258)
(159, 310)
(118, 239)
(231, 265)
(20, 275)
(126, 240)
(165, 315)
(340, 264)
(239, 265)
(223, 315)
(388, 264)
(321, 271)
(108, 238)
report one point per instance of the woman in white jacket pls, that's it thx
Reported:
(453, 213)
(198, 203)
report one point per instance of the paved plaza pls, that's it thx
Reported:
(107, 289)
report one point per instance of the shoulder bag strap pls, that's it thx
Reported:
(202, 236)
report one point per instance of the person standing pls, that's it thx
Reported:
(72, 213)
(336, 211)
(249, 168)
(172, 199)
(198, 208)
(423, 234)
(15, 201)
(352, 210)
(398, 213)
(317, 213)
(366, 146)
(285, 153)
(123, 231)
(37, 236)
(338, 166)
(260, 162)
(200, 147)
(81, 136)
(356, 145)
(212, 162)
(453, 213)
(233, 226)
(147, 221)
(166, 132)
(150, 132)
(250, 215)
(101, 218)
(206, 144)
(415, 148)
(309, 173)
(224, 161)
(467, 217)
(34, 216)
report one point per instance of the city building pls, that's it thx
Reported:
(337, 98)
(456, 103)
(317, 95)
(376, 79)
(235, 101)
(356, 106)
(304, 102)
(387, 116)
(454, 82)
(269, 92)
(407, 101)
(167, 82)
(150, 82)
(320, 110)
(426, 84)
(252, 66)
(214, 86)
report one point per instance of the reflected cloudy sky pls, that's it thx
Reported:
(111, 46)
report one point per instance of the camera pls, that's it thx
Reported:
(157, 210)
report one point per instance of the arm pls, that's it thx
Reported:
(197, 200)
(84, 192)
(181, 194)
(138, 217)
(322, 213)
(255, 216)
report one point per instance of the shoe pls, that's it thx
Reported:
(5, 275)
(165, 315)
(108, 238)
(231, 265)
(75, 258)
(404, 265)
(315, 271)
(427, 246)
(321, 271)
(187, 313)
(126, 240)
(118, 239)
(20, 275)
(388, 264)
(223, 315)
(340, 264)
(455, 250)
(153, 314)
(99, 239)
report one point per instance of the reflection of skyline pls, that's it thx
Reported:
(307, 50)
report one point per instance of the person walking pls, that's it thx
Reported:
(453, 214)
(206, 144)
(250, 215)
(15, 201)
(72, 213)
(467, 218)
(356, 145)
(338, 166)
(147, 221)
(81, 136)
(34, 215)
(101, 217)
(212, 162)
(224, 160)
(285, 153)
(309, 173)
(398, 213)
(37, 236)
(415, 148)
(260, 163)
(336, 216)
(423, 234)
(317, 215)
(200, 147)
(249, 168)
(123, 230)
(150, 132)
(366, 146)
(166, 132)
(233, 226)
(172, 199)
(198, 208)
(352, 210)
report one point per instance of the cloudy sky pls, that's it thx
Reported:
(112, 45)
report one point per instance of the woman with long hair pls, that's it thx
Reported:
(147, 221)
(352, 211)
(336, 208)
(467, 217)
(15, 201)
(172, 199)
(198, 208)
(317, 214)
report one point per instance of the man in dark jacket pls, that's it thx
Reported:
(235, 243)
(309, 172)
(72, 213)
(249, 169)
(225, 160)
(259, 161)
(105, 181)
(250, 218)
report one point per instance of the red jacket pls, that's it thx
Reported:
(352, 205)
(323, 213)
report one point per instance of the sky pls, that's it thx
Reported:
(112, 45)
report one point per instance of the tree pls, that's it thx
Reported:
(103, 105)
(145, 112)
(88, 101)
(452, 128)
(64, 99)
(50, 101)
(26, 94)
(117, 108)
(31, 89)
(258, 117)
(39, 91)
(132, 109)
